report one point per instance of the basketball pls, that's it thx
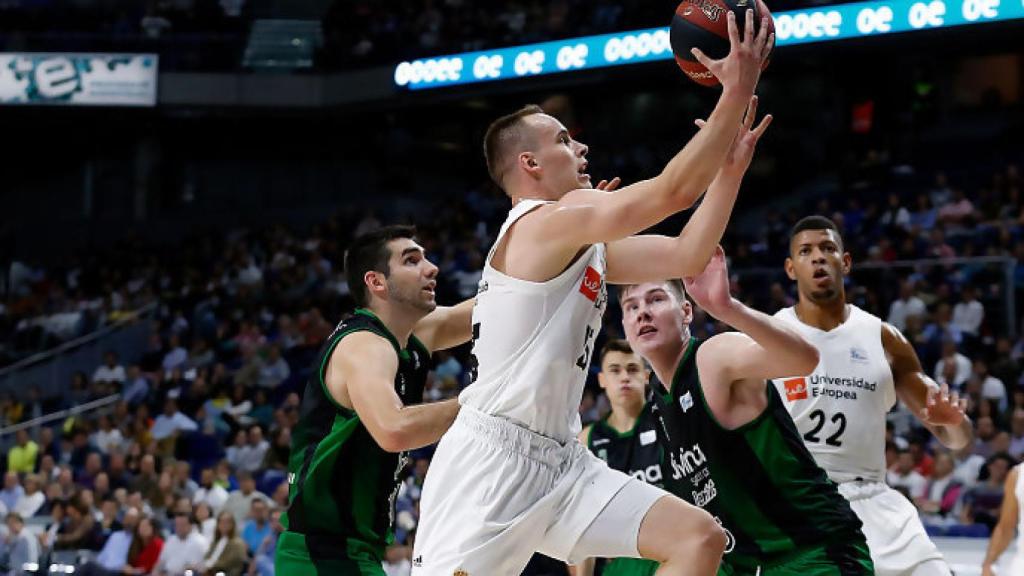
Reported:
(703, 24)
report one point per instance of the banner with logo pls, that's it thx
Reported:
(78, 79)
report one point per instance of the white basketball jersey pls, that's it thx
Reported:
(840, 408)
(533, 340)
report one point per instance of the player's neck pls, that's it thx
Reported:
(397, 321)
(823, 315)
(666, 360)
(621, 420)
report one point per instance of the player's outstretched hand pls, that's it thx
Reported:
(741, 68)
(944, 409)
(609, 185)
(710, 289)
(742, 150)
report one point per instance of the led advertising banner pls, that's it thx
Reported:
(78, 79)
(822, 24)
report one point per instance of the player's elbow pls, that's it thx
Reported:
(391, 438)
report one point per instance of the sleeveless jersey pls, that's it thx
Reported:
(342, 484)
(758, 481)
(840, 408)
(532, 341)
(635, 452)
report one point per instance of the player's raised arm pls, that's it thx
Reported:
(765, 349)
(447, 326)
(587, 216)
(649, 257)
(939, 410)
(367, 364)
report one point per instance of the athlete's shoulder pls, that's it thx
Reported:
(584, 435)
(788, 314)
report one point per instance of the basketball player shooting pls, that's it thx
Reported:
(865, 365)
(510, 478)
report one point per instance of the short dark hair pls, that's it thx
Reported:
(674, 285)
(815, 222)
(501, 135)
(369, 252)
(615, 345)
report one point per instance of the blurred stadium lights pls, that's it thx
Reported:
(836, 22)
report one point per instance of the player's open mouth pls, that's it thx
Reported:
(644, 330)
(582, 171)
(820, 273)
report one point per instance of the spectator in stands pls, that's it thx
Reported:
(79, 529)
(201, 355)
(106, 436)
(183, 482)
(280, 496)
(942, 491)
(57, 512)
(206, 521)
(176, 354)
(257, 527)
(969, 313)
(250, 457)
(985, 435)
(234, 451)
(170, 424)
(982, 502)
(210, 492)
(907, 305)
(22, 457)
(136, 387)
(227, 554)
(991, 387)
(937, 245)
(113, 557)
(904, 478)
(148, 481)
(33, 498)
(958, 210)
(183, 550)
(19, 547)
(147, 547)
(12, 491)
(111, 372)
(47, 446)
(239, 502)
(275, 369)
(93, 467)
(117, 472)
(961, 363)
(263, 559)
(1017, 434)
(895, 214)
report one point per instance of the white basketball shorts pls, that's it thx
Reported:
(497, 492)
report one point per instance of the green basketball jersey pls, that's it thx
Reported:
(758, 480)
(342, 484)
(638, 454)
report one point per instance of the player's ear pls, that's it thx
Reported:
(687, 312)
(375, 282)
(528, 161)
(847, 263)
(790, 271)
(601, 376)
